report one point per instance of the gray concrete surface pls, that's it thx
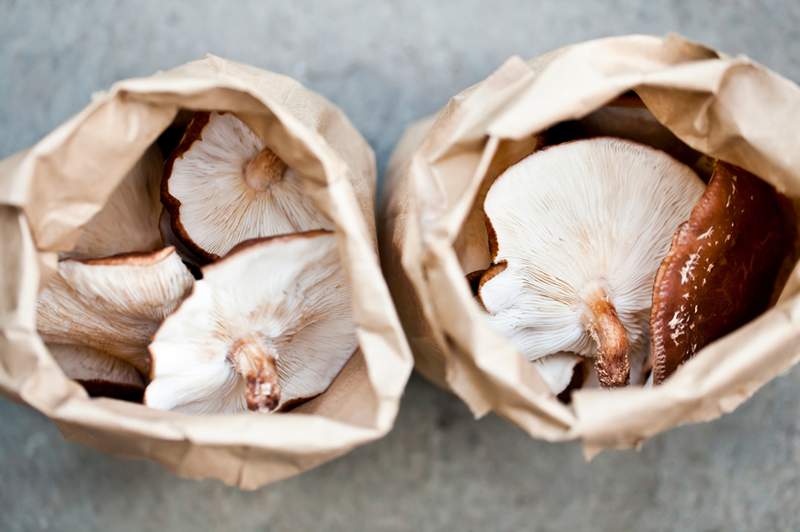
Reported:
(387, 64)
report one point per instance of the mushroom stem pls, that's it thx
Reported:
(263, 170)
(612, 363)
(255, 362)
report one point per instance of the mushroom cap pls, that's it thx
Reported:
(99, 373)
(129, 221)
(205, 189)
(113, 304)
(574, 220)
(288, 294)
(557, 370)
(722, 267)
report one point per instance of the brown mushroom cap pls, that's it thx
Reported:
(721, 269)
(223, 185)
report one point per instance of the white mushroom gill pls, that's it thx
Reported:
(113, 305)
(88, 365)
(231, 188)
(268, 325)
(582, 228)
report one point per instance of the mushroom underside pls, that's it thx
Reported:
(244, 341)
(603, 212)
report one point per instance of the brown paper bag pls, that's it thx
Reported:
(49, 191)
(728, 108)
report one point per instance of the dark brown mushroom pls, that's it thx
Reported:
(722, 267)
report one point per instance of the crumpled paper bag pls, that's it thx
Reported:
(726, 107)
(50, 190)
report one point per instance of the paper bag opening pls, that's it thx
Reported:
(704, 105)
(54, 188)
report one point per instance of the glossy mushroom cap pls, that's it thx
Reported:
(722, 268)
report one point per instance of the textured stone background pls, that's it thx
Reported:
(386, 64)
